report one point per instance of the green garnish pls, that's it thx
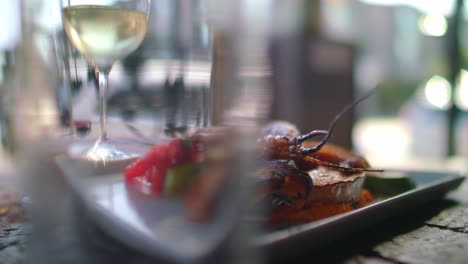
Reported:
(178, 178)
(388, 185)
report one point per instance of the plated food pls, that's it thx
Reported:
(331, 191)
(298, 180)
(310, 180)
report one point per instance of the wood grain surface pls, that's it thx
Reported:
(436, 233)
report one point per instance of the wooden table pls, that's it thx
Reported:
(435, 233)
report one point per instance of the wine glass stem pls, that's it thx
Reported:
(103, 77)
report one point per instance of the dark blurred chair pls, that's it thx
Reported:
(312, 81)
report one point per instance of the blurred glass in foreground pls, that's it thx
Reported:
(184, 199)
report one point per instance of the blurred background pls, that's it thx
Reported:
(413, 51)
(320, 56)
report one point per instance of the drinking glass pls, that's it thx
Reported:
(198, 105)
(105, 32)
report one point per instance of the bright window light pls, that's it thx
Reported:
(461, 94)
(10, 29)
(437, 92)
(382, 2)
(439, 7)
(433, 25)
(380, 138)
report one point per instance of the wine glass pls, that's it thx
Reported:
(104, 32)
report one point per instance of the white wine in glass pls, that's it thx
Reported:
(105, 34)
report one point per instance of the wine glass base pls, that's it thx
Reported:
(106, 151)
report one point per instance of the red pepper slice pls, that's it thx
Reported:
(137, 168)
(154, 165)
(160, 164)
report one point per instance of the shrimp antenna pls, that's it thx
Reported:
(327, 133)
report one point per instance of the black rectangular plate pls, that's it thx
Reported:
(428, 187)
(141, 224)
